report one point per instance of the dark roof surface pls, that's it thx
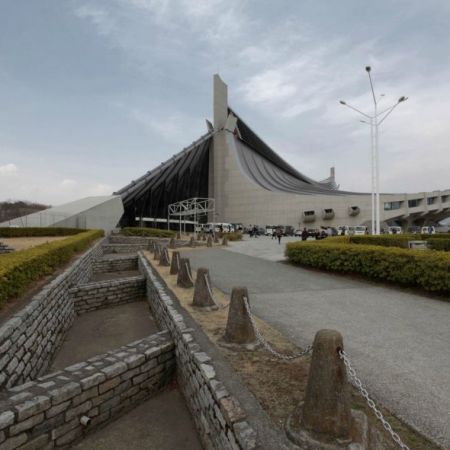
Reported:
(176, 165)
(257, 144)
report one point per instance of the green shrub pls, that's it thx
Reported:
(439, 244)
(147, 232)
(429, 270)
(235, 236)
(19, 269)
(401, 241)
(385, 240)
(10, 232)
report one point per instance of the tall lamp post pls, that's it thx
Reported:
(375, 120)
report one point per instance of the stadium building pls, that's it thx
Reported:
(252, 184)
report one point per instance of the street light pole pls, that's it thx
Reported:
(375, 122)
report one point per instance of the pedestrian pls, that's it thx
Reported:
(279, 234)
(304, 234)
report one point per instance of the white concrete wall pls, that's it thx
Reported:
(88, 213)
(240, 200)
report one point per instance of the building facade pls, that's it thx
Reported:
(252, 184)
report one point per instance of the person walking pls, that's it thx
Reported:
(304, 234)
(279, 234)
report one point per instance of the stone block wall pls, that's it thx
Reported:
(123, 248)
(115, 264)
(119, 239)
(220, 420)
(103, 294)
(46, 413)
(30, 338)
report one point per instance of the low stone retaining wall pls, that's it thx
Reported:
(119, 239)
(219, 419)
(47, 412)
(103, 294)
(30, 338)
(115, 264)
(123, 248)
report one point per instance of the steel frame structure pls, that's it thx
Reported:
(191, 207)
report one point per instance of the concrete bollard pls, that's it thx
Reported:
(174, 263)
(151, 246)
(157, 253)
(209, 242)
(192, 242)
(216, 238)
(202, 295)
(324, 419)
(224, 241)
(178, 235)
(164, 259)
(239, 328)
(185, 274)
(203, 237)
(172, 243)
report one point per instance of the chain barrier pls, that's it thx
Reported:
(189, 274)
(208, 286)
(266, 345)
(358, 384)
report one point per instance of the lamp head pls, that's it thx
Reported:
(342, 102)
(368, 68)
(402, 99)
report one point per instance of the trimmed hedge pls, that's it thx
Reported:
(10, 232)
(439, 244)
(147, 232)
(235, 236)
(401, 240)
(428, 270)
(19, 269)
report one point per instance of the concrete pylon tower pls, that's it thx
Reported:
(217, 160)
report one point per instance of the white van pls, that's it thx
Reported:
(428, 230)
(217, 227)
(359, 230)
(395, 230)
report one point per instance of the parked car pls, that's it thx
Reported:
(343, 228)
(269, 230)
(359, 230)
(428, 230)
(395, 230)
(413, 230)
(298, 233)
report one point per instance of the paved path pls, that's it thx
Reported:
(160, 423)
(99, 331)
(399, 342)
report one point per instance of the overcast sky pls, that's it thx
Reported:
(93, 93)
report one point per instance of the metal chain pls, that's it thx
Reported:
(208, 286)
(188, 271)
(266, 345)
(358, 384)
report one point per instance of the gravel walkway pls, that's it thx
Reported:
(399, 342)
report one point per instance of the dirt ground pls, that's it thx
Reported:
(278, 385)
(23, 243)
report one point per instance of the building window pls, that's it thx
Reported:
(431, 200)
(309, 213)
(414, 202)
(389, 206)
